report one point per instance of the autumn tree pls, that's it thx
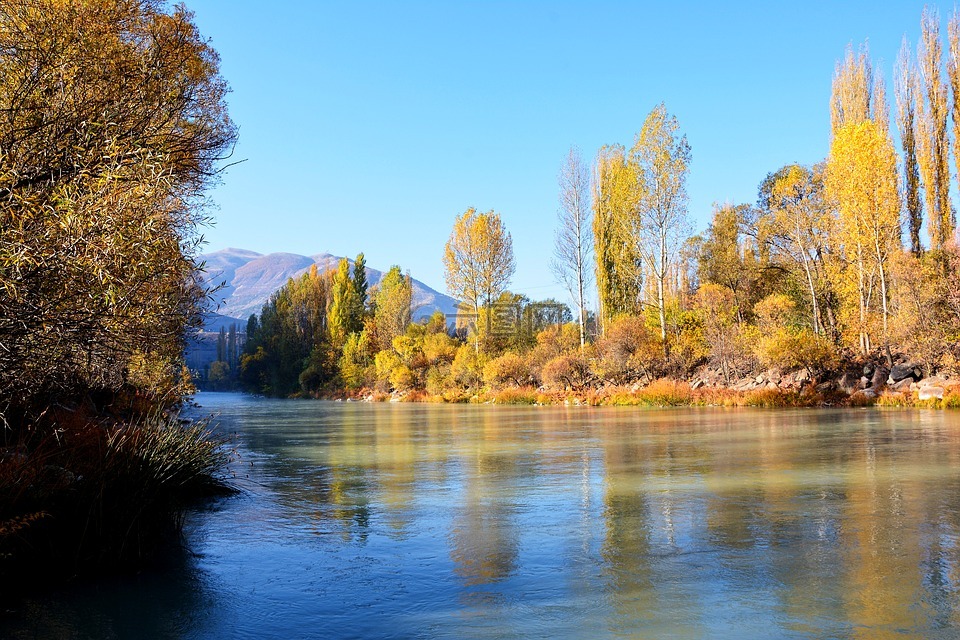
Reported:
(796, 223)
(727, 257)
(478, 260)
(114, 123)
(862, 182)
(619, 266)
(905, 88)
(573, 242)
(661, 159)
(852, 91)
(392, 306)
(933, 146)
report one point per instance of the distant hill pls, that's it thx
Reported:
(250, 279)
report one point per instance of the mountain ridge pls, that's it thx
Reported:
(249, 279)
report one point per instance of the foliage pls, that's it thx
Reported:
(114, 123)
(478, 259)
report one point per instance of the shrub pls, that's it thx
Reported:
(566, 372)
(506, 369)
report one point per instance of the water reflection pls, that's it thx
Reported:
(464, 521)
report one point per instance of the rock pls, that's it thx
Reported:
(933, 381)
(774, 376)
(803, 376)
(931, 392)
(868, 370)
(865, 393)
(903, 385)
(904, 370)
(760, 379)
(864, 381)
(879, 378)
(824, 387)
(848, 382)
(699, 382)
(771, 385)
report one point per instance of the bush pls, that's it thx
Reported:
(506, 369)
(566, 372)
(628, 350)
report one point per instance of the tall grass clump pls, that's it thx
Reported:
(104, 497)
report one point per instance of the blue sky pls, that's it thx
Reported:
(369, 126)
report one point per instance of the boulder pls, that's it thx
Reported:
(904, 370)
(848, 382)
(931, 392)
(879, 377)
(803, 376)
(903, 385)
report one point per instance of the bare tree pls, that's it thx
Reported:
(574, 237)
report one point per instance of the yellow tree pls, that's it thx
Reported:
(478, 260)
(661, 158)
(619, 268)
(933, 147)
(114, 122)
(862, 184)
(852, 90)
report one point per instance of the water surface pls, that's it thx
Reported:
(430, 521)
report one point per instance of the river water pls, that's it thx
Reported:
(432, 521)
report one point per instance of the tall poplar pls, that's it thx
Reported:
(905, 89)
(933, 145)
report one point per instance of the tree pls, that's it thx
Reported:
(724, 256)
(360, 287)
(344, 302)
(862, 181)
(796, 223)
(905, 88)
(661, 159)
(114, 123)
(933, 148)
(478, 260)
(391, 304)
(574, 240)
(619, 266)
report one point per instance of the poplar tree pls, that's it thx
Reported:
(905, 89)
(343, 306)
(862, 181)
(573, 241)
(619, 266)
(661, 159)
(933, 145)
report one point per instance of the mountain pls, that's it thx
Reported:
(250, 278)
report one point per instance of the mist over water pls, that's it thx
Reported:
(436, 521)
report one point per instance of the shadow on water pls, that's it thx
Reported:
(167, 600)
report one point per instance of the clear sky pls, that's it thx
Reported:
(370, 126)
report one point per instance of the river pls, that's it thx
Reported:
(433, 521)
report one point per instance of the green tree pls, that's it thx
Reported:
(392, 306)
(344, 303)
(619, 265)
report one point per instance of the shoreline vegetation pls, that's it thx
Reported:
(840, 285)
(114, 126)
(938, 394)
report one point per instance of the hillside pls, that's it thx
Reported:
(250, 278)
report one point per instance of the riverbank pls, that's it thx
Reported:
(85, 497)
(768, 390)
